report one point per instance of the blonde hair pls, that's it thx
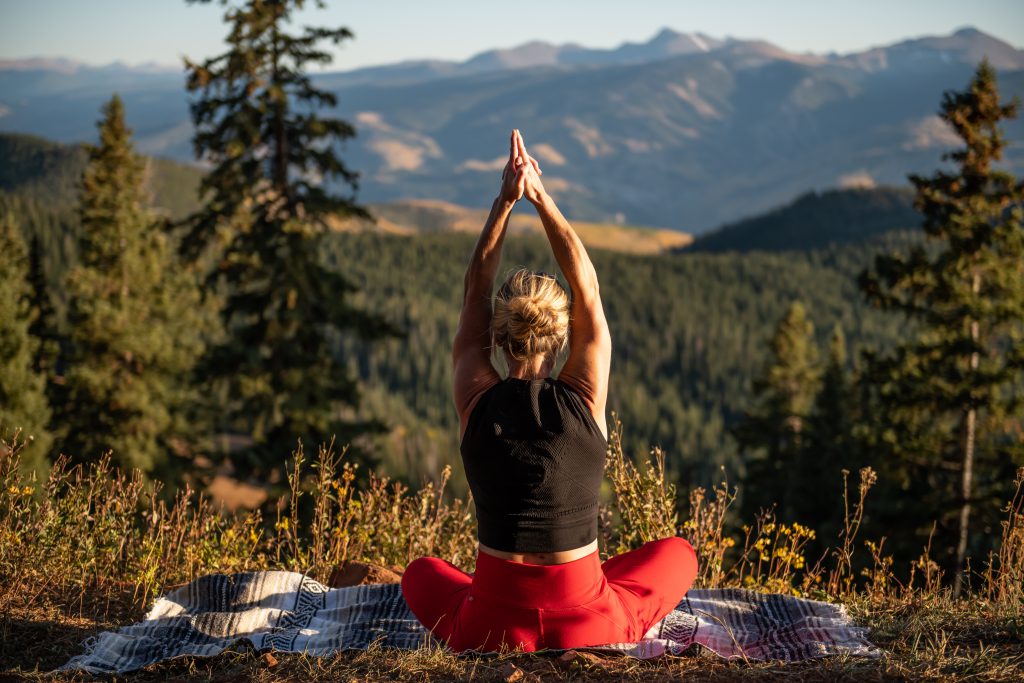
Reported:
(531, 315)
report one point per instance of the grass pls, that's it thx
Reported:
(414, 216)
(88, 549)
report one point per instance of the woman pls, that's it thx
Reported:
(534, 448)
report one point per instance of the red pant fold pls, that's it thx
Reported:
(533, 607)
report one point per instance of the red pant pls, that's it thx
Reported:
(533, 607)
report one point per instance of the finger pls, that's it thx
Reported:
(513, 148)
(523, 152)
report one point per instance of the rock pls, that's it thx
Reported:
(360, 573)
(574, 660)
(513, 674)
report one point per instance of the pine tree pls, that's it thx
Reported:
(775, 429)
(830, 446)
(267, 211)
(831, 418)
(44, 318)
(134, 316)
(23, 402)
(965, 291)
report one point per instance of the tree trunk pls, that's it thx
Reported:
(967, 466)
(279, 171)
(966, 478)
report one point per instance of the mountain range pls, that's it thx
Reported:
(685, 131)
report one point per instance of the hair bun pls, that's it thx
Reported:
(531, 315)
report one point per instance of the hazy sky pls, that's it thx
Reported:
(135, 31)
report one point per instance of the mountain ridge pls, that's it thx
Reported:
(817, 220)
(690, 142)
(48, 172)
(667, 42)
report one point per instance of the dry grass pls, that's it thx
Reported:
(89, 548)
(414, 216)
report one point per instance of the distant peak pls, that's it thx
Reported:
(665, 34)
(533, 44)
(61, 64)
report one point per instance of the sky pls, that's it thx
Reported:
(163, 31)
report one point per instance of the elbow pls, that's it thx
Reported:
(604, 338)
(590, 287)
(588, 294)
(478, 278)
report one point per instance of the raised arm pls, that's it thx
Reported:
(471, 348)
(590, 343)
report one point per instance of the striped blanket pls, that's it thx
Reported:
(290, 612)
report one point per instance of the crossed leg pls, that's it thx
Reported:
(649, 582)
(434, 590)
(652, 579)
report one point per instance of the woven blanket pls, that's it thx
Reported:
(290, 612)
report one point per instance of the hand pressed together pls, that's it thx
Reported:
(521, 175)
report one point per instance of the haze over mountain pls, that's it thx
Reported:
(49, 174)
(685, 131)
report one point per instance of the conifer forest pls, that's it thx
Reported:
(201, 320)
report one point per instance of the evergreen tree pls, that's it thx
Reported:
(44, 323)
(775, 429)
(267, 209)
(23, 402)
(830, 447)
(134, 315)
(965, 291)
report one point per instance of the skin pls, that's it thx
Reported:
(587, 367)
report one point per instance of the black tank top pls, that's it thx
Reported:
(534, 459)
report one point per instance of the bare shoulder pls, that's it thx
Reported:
(466, 408)
(586, 395)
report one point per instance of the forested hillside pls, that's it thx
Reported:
(690, 330)
(689, 333)
(816, 220)
(40, 183)
(33, 168)
(240, 356)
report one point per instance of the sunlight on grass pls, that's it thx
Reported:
(91, 546)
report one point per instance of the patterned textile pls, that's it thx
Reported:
(290, 612)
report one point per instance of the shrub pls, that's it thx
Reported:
(97, 527)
